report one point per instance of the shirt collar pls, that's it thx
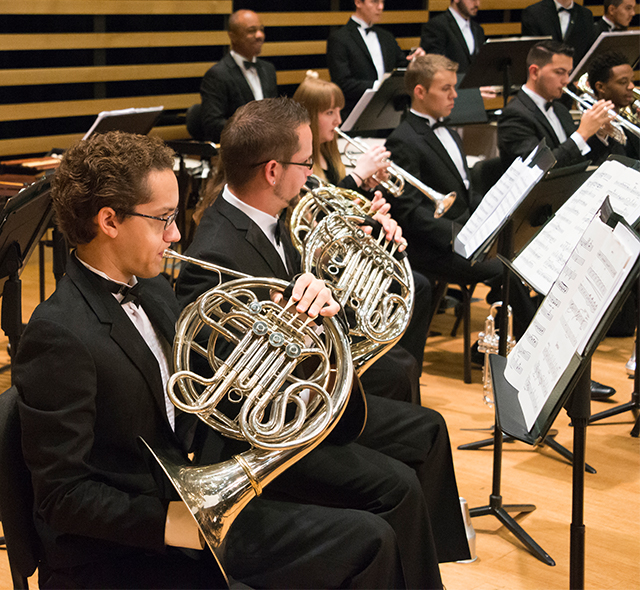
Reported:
(239, 59)
(541, 103)
(424, 116)
(462, 22)
(360, 22)
(559, 6)
(611, 24)
(267, 223)
(133, 282)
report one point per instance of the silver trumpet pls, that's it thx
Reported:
(255, 393)
(399, 176)
(489, 343)
(365, 273)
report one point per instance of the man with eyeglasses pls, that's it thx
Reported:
(266, 155)
(91, 371)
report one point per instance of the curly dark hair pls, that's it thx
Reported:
(260, 131)
(602, 64)
(106, 170)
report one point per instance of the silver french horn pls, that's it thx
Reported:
(365, 272)
(255, 393)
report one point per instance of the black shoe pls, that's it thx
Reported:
(600, 391)
(477, 357)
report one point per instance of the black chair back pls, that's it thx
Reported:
(194, 122)
(16, 495)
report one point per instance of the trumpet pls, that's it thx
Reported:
(253, 394)
(618, 124)
(399, 176)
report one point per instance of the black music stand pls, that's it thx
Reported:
(626, 42)
(134, 120)
(571, 391)
(23, 221)
(500, 62)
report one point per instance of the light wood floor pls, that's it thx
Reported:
(536, 476)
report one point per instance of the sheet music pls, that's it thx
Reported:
(542, 260)
(498, 205)
(570, 313)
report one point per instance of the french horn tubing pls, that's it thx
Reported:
(254, 392)
(399, 176)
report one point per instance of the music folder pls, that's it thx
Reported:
(134, 120)
(535, 380)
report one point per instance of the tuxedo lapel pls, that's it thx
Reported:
(539, 116)
(359, 42)
(238, 78)
(453, 25)
(123, 332)
(265, 81)
(551, 17)
(421, 126)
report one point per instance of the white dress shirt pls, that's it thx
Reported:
(449, 144)
(251, 74)
(465, 28)
(373, 45)
(156, 343)
(563, 16)
(551, 116)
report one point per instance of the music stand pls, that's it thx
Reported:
(23, 221)
(572, 389)
(139, 121)
(500, 62)
(626, 42)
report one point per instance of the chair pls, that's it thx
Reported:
(439, 291)
(16, 495)
(194, 122)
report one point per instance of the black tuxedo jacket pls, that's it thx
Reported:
(350, 63)
(541, 19)
(601, 26)
(95, 496)
(522, 125)
(442, 35)
(224, 89)
(415, 147)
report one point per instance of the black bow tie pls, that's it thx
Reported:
(249, 65)
(548, 105)
(367, 30)
(442, 123)
(563, 9)
(281, 227)
(129, 293)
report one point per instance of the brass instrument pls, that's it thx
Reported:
(630, 113)
(254, 394)
(618, 124)
(489, 342)
(399, 176)
(365, 273)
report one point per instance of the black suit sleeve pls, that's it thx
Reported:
(531, 26)
(215, 108)
(434, 38)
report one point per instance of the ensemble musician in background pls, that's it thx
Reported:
(455, 34)
(360, 53)
(424, 146)
(564, 21)
(617, 16)
(323, 101)
(535, 113)
(266, 154)
(91, 370)
(611, 78)
(238, 77)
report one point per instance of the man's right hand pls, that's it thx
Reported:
(594, 118)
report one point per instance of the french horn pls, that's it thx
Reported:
(365, 272)
(254, 392)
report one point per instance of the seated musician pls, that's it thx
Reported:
(611, 78)
(424, 146)
(239, 77)
(535, 113)
(266, 153)
(91, 371)
(617, 16)
(323, 101)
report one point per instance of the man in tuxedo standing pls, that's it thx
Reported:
(454, 34)
(564, 21)
(535, 113)
(239, 77)
(617, 16)
(360, 53)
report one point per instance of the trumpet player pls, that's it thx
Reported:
(238, 231)
(535, 113)
(91, 371)
(611, 78)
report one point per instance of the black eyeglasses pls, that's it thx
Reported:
(167, 220)
(308, 164)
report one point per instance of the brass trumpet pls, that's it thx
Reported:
(253, 394)
(399, 176)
